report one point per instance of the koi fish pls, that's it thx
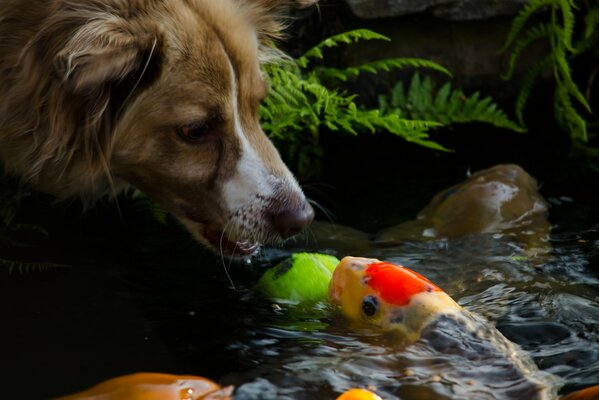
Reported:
(502, 200)
(154, 386)
(388, 296)
(393, 298)
(359, 394)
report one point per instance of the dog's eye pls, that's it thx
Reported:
(370, 306)
(195, 132)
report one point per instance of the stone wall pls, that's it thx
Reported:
(457, 10)
(465, 36)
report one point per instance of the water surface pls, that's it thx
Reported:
(158, 303)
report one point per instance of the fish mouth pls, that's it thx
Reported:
(220, 241)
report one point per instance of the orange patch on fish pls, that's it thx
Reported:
(397, 284)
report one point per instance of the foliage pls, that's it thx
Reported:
(304, 98)
(446, 105)
(571, 107)
(300, 103)
(11, 231)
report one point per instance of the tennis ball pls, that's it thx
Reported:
(303, 277)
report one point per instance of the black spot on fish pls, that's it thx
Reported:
(397, 317)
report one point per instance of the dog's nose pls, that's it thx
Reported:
(292, 221)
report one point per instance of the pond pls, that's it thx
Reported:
(145, 298)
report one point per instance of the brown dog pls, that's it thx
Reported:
(160, 94)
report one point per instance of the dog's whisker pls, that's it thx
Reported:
(222, 254)
(229, 267)
(327, 213)
(310, 232)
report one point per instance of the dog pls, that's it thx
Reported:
(163, 95)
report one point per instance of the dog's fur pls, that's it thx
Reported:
(98, 94)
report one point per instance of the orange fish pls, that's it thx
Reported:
(154, 386)
(394, 298)
(591, 393)
(358, 394)
(388, 296)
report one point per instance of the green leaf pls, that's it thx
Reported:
(591, 21)
(526, 87)
(447, 106)
(334, 41)
(378, 66)
(520, 20)
(535, 33)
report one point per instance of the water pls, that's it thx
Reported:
(157, 303)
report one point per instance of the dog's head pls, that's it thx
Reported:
(183, 85)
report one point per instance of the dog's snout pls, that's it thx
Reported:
(289, 222)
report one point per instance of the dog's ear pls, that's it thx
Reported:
(269, 15)
(104, 51)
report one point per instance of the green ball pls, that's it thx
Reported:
(304, 277)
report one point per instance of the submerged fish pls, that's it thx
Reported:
(502, 200)
(154, 386)
(460, 346)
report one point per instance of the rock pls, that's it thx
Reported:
(457, 10)
(469, 49)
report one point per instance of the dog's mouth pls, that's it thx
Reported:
(219, 240)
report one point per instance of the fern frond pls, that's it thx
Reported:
(568, 116)
(520, 20)
(378, 66)
(334, 41)
(565, 77)
(591, 21)
(441, 100)
(589, 43)
(533, 34)
(301, 104)
(526, 87)
(568, 23)
(446, 106)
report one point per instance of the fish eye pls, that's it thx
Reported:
(370, 306)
